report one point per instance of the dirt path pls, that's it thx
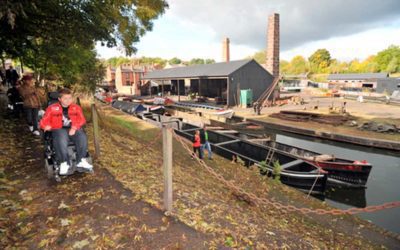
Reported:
(84, 211)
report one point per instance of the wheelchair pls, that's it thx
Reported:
(52, 165)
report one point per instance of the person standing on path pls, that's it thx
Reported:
(205, 144)
(33, 98)
(197, 144)
(11, 76)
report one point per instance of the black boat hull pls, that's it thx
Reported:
(253, 154)
(341, 171)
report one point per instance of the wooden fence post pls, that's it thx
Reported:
(167, 165)
(96, 136)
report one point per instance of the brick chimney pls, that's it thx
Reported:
(225, 50)
(273, 44)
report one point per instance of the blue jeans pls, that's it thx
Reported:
(60, 144)
(207, 146)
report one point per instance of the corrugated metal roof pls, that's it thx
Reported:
(361, 76)
(202, 70)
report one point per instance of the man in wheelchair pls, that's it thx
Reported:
(65, 120)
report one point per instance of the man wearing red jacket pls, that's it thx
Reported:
(64, 119)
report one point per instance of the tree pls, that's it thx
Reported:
(116, 61)
(393, 66)
(335, 68)
(175, 60)
(385, 57)
(260, 57)
(82, 21)
(298, 65)
(355, 66)
(196, 61)
(369, 65)
(38, 31)
(284, 66)
(153, 61)
(209, 61)
(320, 60)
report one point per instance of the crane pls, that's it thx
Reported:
(258, 105)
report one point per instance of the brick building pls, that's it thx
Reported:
(127, 79)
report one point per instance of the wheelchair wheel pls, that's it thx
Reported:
(49, 169)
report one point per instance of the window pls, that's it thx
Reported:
(367, 85)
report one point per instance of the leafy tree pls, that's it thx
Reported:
(260, 57)
(209, 61)
(153, 61)
(81, 21)
(196, 61)
(320, 60)
(284, 66)
(298, 65)
(369, 65)
(175, 60)
(116, 61)
(355, 66)
(394, 65)
(385, 57)
(45, 34)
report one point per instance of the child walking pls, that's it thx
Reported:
(197, 144)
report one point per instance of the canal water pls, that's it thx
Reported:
(383, 183)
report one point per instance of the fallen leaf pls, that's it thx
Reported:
(65, 222)
(64, 206)
(270, 233)
(80, 244)
(43, 243)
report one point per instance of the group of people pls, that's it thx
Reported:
(201, 142)
(63, 119)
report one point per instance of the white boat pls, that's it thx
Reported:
(224, 113)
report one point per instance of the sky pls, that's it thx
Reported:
(195, 28)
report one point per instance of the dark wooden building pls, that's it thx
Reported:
(223, 80)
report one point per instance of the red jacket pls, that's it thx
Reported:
(196, 142)
(53, 116)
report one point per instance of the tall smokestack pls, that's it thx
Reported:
(273, 45)
(225, 50)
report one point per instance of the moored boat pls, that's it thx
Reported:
(156, 109)
(224, 113)
(294, 172)
(341, 171)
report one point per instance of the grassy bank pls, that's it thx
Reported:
(131, 151)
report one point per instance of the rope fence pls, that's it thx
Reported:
(264, 201)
